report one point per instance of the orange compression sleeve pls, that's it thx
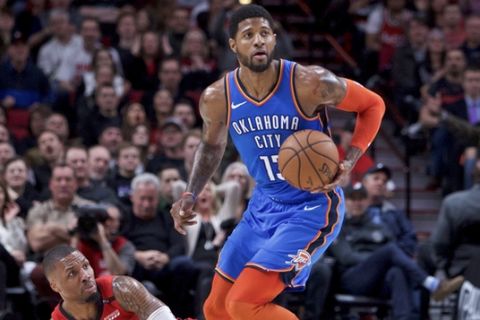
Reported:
(369, 107)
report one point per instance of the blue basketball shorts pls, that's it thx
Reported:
(286, 238)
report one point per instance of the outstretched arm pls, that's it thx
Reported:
(133, 297)
(213, 109)
(318, 87)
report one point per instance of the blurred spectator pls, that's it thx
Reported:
(471, 46)
(36, 125)
(435, 59)
(76, 158)
(433, 116)
(151, 56)
(445, 150)
(58, 124)
(408, 70)
(128, 162)
(4, 134)
(385, 31)
(50, 222)
(364, 163)
(191, 141)
(368, 248)
(66, 5)
(33, 22)
(159, 248)
(144, 19)
(177, 26)
(13, 243)
(170, 76)
(437, 12)
(7, 152)
(76, 61)
(184, 110)
(105, 112)
(449, 86)
(51, 153)
(19, 188)
(452, 26)
(384, 212)
(198, 67)
(128, 47)
(133, 115)
(168, 176)
(140, 138)
(169, 147)
(111, 138)
(108, 252)
(237, 171)
(98, 164)
(455, 237)
(162, 109)
(22, 85)
(7, 21)
(64, 39)
(102, 62)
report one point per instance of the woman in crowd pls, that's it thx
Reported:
(19, 189)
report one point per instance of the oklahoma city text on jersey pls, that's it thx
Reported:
(266, 122)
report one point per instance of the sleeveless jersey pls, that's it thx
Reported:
(109, 308)
(258, 129)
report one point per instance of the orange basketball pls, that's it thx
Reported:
(308, 159)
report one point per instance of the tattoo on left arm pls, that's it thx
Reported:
(133, 297)
(352, 156)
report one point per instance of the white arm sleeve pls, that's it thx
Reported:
(162, 313)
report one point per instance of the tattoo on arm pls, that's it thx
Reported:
(352, 156)
(331, 88)
(133, 297)
(207, 160)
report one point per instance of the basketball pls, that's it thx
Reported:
(308, 159)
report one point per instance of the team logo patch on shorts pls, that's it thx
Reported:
(300, 260)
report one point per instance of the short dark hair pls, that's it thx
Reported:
(54, 255)
(246, 12)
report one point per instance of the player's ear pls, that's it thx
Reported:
(53, 285)
(233, 45)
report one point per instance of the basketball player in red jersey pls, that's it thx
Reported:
(284, 230)
(104, 298)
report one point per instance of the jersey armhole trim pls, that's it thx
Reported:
(293, 91)
(226, 83)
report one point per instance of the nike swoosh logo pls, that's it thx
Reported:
(308, 208)
(235, 106)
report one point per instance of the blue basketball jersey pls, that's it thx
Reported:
(258, 129)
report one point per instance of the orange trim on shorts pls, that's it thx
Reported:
(294, 96)
(336, 222)
(264, 100)
(258, 266)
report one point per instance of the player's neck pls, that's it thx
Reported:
(81, 311)
(259, 84)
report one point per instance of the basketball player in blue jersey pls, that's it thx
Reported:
(284, 230)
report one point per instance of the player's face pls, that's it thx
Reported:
(254, 44)
(73, 279)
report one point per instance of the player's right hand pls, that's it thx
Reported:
(182, 213)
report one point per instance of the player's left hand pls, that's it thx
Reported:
(343, 171)
(182, 213)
